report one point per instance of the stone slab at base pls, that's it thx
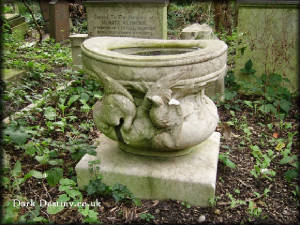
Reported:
(12, 74)
(190, 178)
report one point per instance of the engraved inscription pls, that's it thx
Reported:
(124, 25)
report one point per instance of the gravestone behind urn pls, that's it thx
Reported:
(59, 20)
(127, 18)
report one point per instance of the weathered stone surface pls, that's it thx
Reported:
(76, 41)
(20, 31)
(205, 32)
(197, 31)
(12, 74)
(59, 20)
(271, 38)
(16, 22)
(190, 178)
(127, 19)
(154, 90)
(45, 10)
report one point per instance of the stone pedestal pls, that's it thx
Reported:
(76, 40)
(127, 18)
(190, 178)
(205, 32)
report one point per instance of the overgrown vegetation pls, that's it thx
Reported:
(184, 13)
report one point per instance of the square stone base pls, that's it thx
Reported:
(190, 178)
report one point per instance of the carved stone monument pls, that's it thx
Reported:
(16, 22)
(127, 18)
(155, 106)
(59, 20)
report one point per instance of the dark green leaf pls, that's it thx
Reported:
(50, 113)
(54, 175)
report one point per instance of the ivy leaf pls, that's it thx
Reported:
(55, 162)
(42, 159)
(291, 174)
(18, 136)
(285, 105)
(85, 211)
(54, 175)
(63, 198)
(248, 68)
(288, 160)
(267, 108)
(249, 103)
(225, 159)
(50, 113)
(74, 193)
(17, 170)
(84, 97)
(30, 148)
(54, 209)
(73, 99)
(248, 65)
(37, 174)
(67, 182)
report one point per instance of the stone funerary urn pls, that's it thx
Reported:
(154, 99)
(155, 110)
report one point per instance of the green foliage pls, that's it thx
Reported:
(17, 134)
(121, 193)
(272, 97)
(276, 99)
(235, 43)
(213, 201)
(50, 113)
(9, 213)
(253, 210)
(181, 14)
(224, 158)
(91, 216)
(262, 163)
(185, 204)
(54, 209)
(248, 68)
(290, 159)
(235, 202)
(54, 175)
(96, 187)
(146, 216)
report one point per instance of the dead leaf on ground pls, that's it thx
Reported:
(226, 130)
(275, 135)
